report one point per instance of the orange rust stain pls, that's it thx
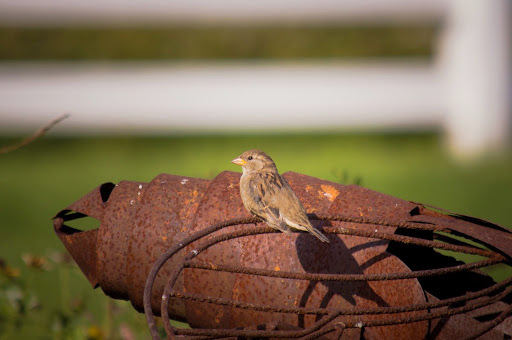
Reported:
(277, 268)
(330, 192)
(164, 238)
(309, 187)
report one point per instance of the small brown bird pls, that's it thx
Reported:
(269, 196)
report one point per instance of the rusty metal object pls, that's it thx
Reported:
(186, 249)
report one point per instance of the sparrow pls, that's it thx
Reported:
(269, 196)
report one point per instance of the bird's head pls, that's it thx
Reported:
(255, 160)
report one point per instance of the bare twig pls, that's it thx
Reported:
(37, 134)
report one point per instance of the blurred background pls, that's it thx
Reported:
(407, 97)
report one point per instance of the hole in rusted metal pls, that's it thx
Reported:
(415, 211)
(76, 222)
(106, 190)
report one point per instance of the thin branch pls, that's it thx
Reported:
(36, 135)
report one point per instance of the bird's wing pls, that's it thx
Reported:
(292, 211)
(264, 188)
(294, 214)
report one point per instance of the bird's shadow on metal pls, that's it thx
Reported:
(318, 261)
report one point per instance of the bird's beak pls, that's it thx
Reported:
(239, 161)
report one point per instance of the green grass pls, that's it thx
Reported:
(216, 42)
(44, 177)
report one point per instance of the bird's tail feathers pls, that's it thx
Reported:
(319, 235)
(310, 229)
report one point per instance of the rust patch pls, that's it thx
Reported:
(329, 192)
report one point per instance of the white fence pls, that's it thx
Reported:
(465, 91)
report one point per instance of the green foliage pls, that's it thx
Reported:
(216, 42)
(30, 309)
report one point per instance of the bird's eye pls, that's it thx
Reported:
(249, 158)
